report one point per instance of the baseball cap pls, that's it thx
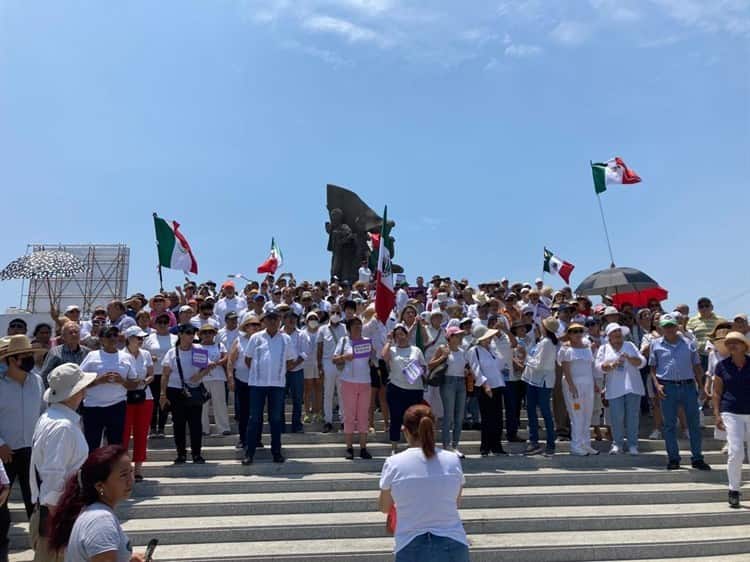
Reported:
(135, 332)
(667, 320)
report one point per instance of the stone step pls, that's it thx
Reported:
(548, 546)
(370, 524)
(238, 504)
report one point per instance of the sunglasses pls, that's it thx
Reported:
(575, 331)
(187, 333)
(705, 305)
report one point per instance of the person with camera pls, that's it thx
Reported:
(183, 367)
(140, 400)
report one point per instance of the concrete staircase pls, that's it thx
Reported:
(319, 506)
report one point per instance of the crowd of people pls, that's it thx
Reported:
(478, 356)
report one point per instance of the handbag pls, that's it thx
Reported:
(137, 396)
(436, 376)
(194, 395)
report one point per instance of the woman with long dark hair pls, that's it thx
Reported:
(84, 521)
(425, 485)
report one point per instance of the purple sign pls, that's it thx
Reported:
(361, 349)
(200, 358)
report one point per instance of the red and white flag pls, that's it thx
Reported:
(553, 264)
(385, 296)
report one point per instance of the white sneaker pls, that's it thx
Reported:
(725, 449)
(655, 434)
(459, 454)
(614, 450)
(633, 450)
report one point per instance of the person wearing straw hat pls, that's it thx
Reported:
(731, 402)
(238, 371)
(718, 352)
(620, 361)
(579, 385)
(58, 449)
(215, 382)
(487, 366)
(20, 407)
(539, 376)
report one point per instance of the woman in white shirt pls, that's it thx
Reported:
(620, 361)
(356, 352)
(313, 393)
(424, 484)
(539, 376)
(577, 362)
(453, 389)
(157, 344)
(239, 372)
(215, 381)
(406, 367)
(84, 521)
(174, 392)
(140, 400)
(487, 366)
(375, 330)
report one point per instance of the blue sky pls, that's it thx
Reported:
(474, 121)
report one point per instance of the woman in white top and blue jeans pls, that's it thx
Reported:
(425, 484)
(539, 376)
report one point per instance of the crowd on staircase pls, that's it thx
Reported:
(474, 356)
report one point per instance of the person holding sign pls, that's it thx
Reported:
(356, 353)
(407, 366)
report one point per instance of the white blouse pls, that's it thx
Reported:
(621, 380)
(487, 366)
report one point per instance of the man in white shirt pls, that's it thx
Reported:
(402, 297)
(328, 338)
(268, 355)
(58, 450)
(364, 273)
(230, 302)
(229, 332)
(205, 316)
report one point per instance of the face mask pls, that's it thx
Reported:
(27, 363)
(313, 324)
(335, 318)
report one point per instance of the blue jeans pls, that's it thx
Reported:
(453, 395)
(433, 548)
(624, 416)
(295, 386)
(472, 408)
(687, 396)
(536, 396)
(258, 396)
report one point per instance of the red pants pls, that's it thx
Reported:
(137, 421)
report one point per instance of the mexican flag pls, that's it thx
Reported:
(174, 250)
(553, 264)
(385, 296)
(275, 260)
(613, 171)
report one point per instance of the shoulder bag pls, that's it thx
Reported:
(436, 376)
(137, 396)
(194, 395)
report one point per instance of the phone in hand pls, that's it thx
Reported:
(150, 549)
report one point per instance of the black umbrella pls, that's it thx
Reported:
(615, 280)
(44, 264)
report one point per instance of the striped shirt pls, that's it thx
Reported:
(701, 328)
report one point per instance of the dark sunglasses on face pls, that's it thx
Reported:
(704, 305)
(575, 331)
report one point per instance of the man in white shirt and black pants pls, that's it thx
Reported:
(268, 355)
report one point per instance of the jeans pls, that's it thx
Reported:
(536, 396)
(453, 395)
(433, 548)
(399, 400)
(687, 396)
(258, 396)
(472, 407)
(295, 386)
(18, 468)
(242, 398)
(107, 420)
(624, 416)
(492, 420)
(183, 414)
(513, 395)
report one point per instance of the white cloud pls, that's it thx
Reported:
(522, 51)
(570, 32)
(660, 42)
(731, 16)
(480, 36)
(343, 28)
(329, 57)
(616, 10)
(369, 7)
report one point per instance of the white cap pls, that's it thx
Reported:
(71, 308)
(135, 332)
(538, 281)
(610, 310)
(614, 327)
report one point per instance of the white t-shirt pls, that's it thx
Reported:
(358, 369)
(330, 335)
(140, 366)
(400, 358)
(581, 361)
(426, 494)
(364, 274)
(101, 362)
(96, 531)
(456, 363)
(215, 352)
(158, 346)
(188, 369)
(241, 370)
(225, 305)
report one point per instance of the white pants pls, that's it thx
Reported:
(219, 403)
(331, 383)
(738, 432)
(580, 411)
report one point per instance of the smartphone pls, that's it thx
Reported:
(150, 549)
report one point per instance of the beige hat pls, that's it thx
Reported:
(551, 324)
(482, 333)
(65, 381)
(249, 318)
(16, 345)
(738, 337)
(481, 298)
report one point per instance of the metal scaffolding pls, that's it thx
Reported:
(104, 279)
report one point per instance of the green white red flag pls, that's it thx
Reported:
(174, 250)
(275, 259)
(385, 296)
(612, 172)
(553, 264)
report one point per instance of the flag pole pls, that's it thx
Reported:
(161, 278)
(604, 224)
